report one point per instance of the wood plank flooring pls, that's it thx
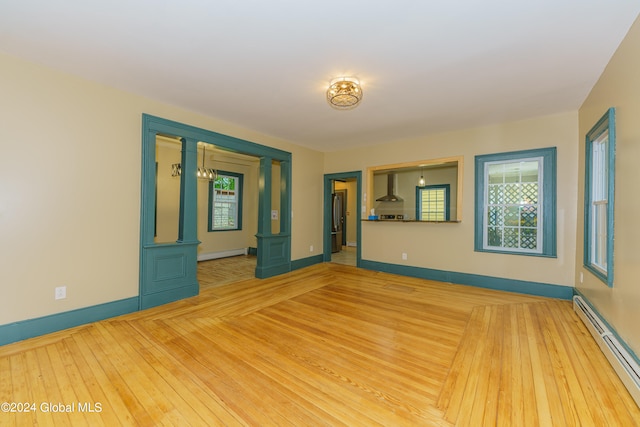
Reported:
(328, 345)
(220, 271)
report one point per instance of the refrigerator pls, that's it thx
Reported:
(337, 204)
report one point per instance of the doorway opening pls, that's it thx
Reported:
(342, 227)
(168, 261)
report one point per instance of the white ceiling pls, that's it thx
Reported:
(425, 66)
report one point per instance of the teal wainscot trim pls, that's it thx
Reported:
(489, 282)
(30, 328)
(306, 262)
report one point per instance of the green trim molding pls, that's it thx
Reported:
(326, 224)
(488, 282)
(306, 262)
(30, 328)
(549, 203)
(168, 271)
(605, 124)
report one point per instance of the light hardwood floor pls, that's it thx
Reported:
(221, 271)
(327, 345)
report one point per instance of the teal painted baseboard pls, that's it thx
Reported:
(306, 262)
(170, 295)
(497, 283)
(273, 270)
(30, 328)
(252, 251)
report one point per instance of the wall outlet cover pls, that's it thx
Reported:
(61, 292)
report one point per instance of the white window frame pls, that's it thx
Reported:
(539, 206)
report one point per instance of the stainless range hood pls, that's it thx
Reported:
(390, 196)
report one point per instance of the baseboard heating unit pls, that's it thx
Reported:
(623, 363)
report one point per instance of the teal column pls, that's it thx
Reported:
(149, 187)
(264, 194)
(274, 250)
(285, 197)
(188, 226)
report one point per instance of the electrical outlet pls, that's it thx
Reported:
(274, 214)
(581, 277)
(404, 256)
(311, 248)
(61, 292)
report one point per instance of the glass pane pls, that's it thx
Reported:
(496, 174)
(511, 238)
(494, 236)
(511, 216)
(529, 171)
(495, 194)
(225, 203)
(530, 193)
(512, 172)
(512, 193)
(494, 215)
(529, 216)
(529, 238)
(599, 243)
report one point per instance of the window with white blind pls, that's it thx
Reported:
(432, 202)
(599, 191)
(225, 202)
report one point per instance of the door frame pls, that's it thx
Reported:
(168, 270)
(326, 228)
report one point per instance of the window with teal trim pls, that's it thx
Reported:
(599, 191)
(516, 202)
(225, 202)
(432, 202)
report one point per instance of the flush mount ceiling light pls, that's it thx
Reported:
(344, 93)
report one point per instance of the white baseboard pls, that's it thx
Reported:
(352, 244)
(222, 254)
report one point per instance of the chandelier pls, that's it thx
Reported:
(202, 173)
(344, 93)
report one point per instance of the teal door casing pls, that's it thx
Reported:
(168, 270)
(326, 233)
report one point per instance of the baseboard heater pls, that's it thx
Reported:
(623, 363)
(223, 254)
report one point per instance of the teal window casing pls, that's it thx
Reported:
(225, 202)
(600, 150)
(437, 195)
(515, 202)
